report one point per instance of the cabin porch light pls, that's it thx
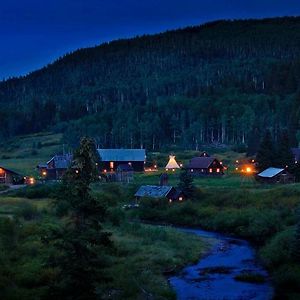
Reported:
(180, 198)
(181, 165)
(44, 173)
(170, 200)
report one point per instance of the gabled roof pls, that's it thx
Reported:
(200, 162)
(122, 154)
(153, 191)
(10, 171)
(61, 161)
(270, 172)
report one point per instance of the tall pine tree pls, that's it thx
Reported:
(81, 244)
(284, 157)
(186, 184)
(266, 153)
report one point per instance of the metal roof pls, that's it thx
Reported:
(61, 161)
(153, 191)
(122, 154)
(270, 172)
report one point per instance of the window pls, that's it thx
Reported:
(111, 164)
(210, 170)
(218, 170)
(180, 198)
(192, 170)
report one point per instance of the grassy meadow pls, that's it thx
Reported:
(233, 204)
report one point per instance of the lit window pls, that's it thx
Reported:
(111, 164)
(248, 170)
(104, 170)
(210, 170)
(192, 170)
(218, 170)
(173, 170)
(202, 170)
(180, 198)
(130, 164)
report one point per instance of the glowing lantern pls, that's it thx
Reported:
(44, 173)
(248, 170)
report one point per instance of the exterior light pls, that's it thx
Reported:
(180, 198)
(155, 166)
(236, 169)
(44, 173)
(77, 172)
(173, 170)
(210, 170)
(237, 161)
(248, 170)
(221, 163)
(170, 200)
(181, 165)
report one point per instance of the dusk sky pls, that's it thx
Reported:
(36, 32)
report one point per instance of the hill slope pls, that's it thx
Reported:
(222, 81)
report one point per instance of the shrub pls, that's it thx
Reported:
(27, 211)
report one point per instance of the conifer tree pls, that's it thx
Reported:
(284, 155)
(81, 244)
(186, 184)
(265, 155)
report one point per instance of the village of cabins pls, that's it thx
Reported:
(119, 165)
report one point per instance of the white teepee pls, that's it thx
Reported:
(172, 164)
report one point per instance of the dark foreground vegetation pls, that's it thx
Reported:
(67, 241)
(266, 216)
(222, 82)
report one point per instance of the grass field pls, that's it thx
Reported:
(24, 153)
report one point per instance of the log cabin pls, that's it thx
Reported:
(56, 167)
(205, 166)
(10, 177)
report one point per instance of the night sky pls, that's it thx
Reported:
(35, 32)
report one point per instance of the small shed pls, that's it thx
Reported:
(275, 175)
(158, 191)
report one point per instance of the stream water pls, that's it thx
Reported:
(212, 278)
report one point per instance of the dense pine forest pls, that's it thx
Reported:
(222, 82)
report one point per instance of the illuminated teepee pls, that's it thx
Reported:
(172, 164)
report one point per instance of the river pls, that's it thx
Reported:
(212, 278)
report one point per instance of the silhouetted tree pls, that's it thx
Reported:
(266, 152)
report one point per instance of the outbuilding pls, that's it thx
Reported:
(158, 191)
(275, 175)
(10, 177)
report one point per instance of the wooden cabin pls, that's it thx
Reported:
(205, 166)
(10, 177)
(158, 191)
(56, 167)
(110, 159)
(275, 175)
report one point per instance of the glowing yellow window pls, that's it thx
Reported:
(111, 164)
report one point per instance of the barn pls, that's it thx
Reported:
(205, 166)
(110, 159)
(158, 191)
(275, 175)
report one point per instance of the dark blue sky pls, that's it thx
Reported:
(35, 32)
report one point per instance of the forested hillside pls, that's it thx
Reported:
(222, 82)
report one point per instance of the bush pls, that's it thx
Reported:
(27, 211)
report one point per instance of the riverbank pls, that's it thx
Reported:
(217, 275)
(265, 217)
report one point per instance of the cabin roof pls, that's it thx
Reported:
(200, 162)
(10, 171)
(154, 191)
(61, 161)
(122, 154)
(270, 172)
